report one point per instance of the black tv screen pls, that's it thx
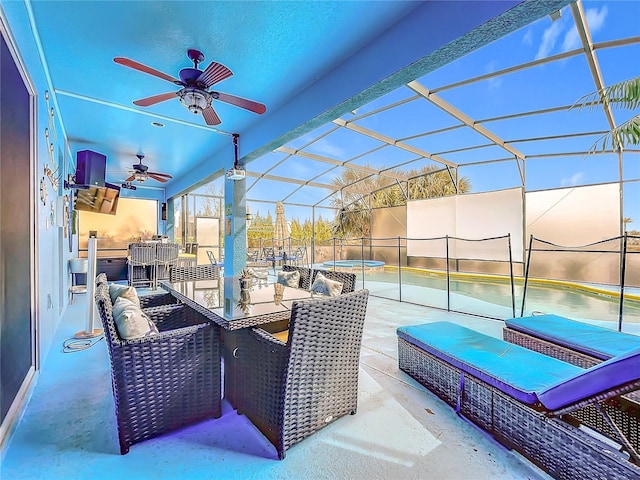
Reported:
(94, 199)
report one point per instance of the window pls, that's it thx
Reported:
(135, 220)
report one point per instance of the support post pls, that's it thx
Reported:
(90, 331)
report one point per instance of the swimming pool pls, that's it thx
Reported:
(492, 297)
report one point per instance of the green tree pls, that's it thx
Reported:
(625, 94)
(208, 205)
(261, 229)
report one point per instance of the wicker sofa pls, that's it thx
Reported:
(526, 400)
(291, 390)
(164, 381)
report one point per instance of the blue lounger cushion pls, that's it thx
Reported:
(600, 378)
(515, 370)
(523, 374)
(597, 342)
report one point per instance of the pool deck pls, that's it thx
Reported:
(401, 430)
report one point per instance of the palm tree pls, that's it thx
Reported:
(366, 191)
(626, 221)
(625, 94)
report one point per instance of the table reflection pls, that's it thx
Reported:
(259, 304)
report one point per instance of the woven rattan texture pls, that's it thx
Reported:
(562, 450)
(165, 381)
(290, 391)
(166, 258)
(157, 300)
(194, 272)
(624, 410)
(141, 264)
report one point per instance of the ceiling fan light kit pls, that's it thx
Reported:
(194, 100)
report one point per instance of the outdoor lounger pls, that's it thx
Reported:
(584, 345)
(579, 343)
(527, 400)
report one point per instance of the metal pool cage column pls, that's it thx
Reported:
(511, 280)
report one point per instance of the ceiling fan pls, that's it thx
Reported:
(141, 172)
(195, 94)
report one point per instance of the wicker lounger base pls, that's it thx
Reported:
(560, 449)
(625, 412)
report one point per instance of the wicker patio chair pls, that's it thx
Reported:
(347, 279)
(165, 381)
(526, 400)
(305, 275)
(194, 272)
(291, 390)
(157, 300)
(141, 264)
(166, 258)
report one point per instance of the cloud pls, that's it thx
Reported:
(595, 21)
(571, 40)
(574, 179)
(595, 18)
(528, 37)
(323, 147)
(549, 38)
(494, 82)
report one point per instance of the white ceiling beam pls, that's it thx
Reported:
(468, 121)
(390, 141)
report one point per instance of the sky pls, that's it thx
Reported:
(554, 162)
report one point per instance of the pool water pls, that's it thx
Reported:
(493, 298)
(368, 264)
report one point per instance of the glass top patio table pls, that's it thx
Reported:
(267, 303)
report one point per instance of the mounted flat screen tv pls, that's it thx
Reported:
(94, 199)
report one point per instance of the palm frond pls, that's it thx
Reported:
(625, 134)
(625, 94)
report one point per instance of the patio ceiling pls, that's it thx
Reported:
(309, 62)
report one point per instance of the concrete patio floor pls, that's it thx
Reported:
(401, 430)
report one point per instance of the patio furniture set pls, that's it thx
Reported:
(171, 376)
(563, 394)
(284, 257)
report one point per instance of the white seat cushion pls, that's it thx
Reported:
(324, 286)
(131, 321)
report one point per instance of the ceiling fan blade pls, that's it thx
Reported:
(156, 177)
(131, 178)
(160, 174)
(210, 116)
(143, 68)
(240, 102)
(214, 73)
(146, 102)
